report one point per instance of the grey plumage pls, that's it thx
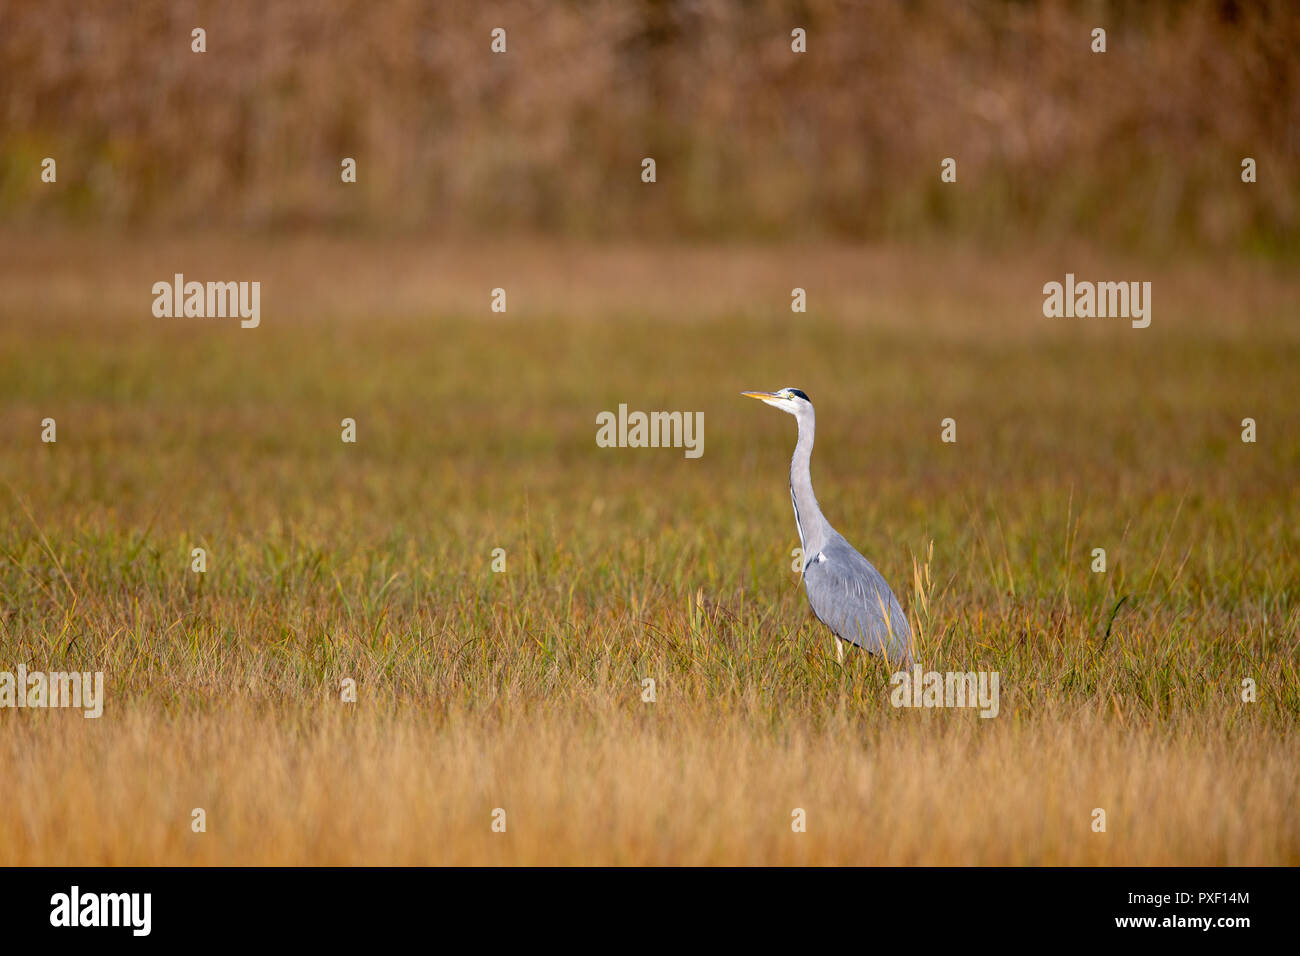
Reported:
(846, 592)
(850, 597)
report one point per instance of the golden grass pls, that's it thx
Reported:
(319, 785)
(522, 690)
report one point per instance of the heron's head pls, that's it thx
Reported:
(792, 400)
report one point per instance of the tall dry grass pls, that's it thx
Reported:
(318, 784)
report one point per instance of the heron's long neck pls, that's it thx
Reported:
(813, 528)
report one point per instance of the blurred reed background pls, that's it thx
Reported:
(1138, 147)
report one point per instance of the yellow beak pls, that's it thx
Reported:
(759, 395)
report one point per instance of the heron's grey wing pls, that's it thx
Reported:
(850, 597)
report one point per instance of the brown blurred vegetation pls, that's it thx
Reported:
(1138, 147)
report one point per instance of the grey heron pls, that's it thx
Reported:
(846, 592)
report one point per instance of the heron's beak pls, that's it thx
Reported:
(761, 396)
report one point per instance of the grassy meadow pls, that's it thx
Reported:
(522, 690)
